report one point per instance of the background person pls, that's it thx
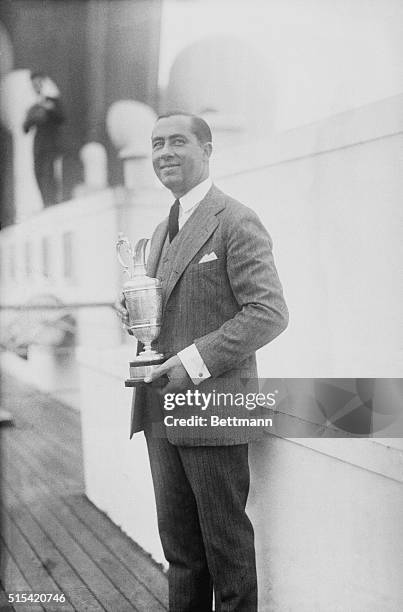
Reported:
(45, 116)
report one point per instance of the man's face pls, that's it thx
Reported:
(179, 160)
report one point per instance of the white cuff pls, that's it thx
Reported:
(194, 364)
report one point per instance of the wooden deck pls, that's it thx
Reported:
(53, 540)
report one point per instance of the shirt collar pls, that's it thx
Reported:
(195, 195)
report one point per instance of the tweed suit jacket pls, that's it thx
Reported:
(228, 307)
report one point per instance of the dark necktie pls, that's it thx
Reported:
(173, 220)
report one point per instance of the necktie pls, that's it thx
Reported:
(173, 220)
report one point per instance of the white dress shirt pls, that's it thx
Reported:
(190, 201)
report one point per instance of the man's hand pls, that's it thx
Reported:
(174, 370)
(121, 310)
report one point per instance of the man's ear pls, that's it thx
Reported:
(208, 148)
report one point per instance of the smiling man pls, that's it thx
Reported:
(222, 300)
(181, 148)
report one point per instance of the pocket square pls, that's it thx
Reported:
(208, 257)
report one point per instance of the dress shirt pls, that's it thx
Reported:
(190, 201)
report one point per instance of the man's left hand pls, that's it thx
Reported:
(177, 376)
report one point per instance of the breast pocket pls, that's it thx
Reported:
(207, 280)
(207, 269)
(209, 265)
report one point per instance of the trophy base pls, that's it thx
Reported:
(141, 368)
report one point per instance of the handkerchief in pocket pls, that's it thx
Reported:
(208, 257)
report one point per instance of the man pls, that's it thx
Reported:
(222, 300)
(45, 116)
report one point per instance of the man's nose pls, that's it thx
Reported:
(166, 150)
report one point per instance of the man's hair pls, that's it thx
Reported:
(200, 128)
(37, 74)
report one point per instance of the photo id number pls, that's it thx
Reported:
(23, 597)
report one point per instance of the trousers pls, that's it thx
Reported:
(206, 535)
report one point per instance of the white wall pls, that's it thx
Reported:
(117, 471)
(319, 57)
(331, 195)
(328, 534)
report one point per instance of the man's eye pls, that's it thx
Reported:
(157, 145)
(178, 141)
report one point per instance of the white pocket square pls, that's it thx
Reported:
(208, 257)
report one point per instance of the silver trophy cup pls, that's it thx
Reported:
(144, 304)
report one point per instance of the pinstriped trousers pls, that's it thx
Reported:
(207, 537)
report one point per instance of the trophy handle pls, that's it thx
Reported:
(139, 257)
(124, 242)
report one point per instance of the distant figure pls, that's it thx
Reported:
(46, 116)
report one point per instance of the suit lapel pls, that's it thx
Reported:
(192, 236)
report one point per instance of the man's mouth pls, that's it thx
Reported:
(167, 166)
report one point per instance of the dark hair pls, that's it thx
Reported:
(37, 74)
(200, 128)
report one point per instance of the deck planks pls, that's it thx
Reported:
(12, 579)
(26, 559)
(54, 539)
(138, 595)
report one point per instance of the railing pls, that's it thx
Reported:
(69, 306)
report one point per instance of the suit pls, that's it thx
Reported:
(228, 306)
(47, 147)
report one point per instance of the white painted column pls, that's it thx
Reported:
(129, 124)
(16, 97)
(94, 159)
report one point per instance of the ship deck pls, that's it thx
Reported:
(53, 539)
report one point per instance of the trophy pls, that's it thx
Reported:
(144, 303)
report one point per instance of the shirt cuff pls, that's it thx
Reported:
(194, 364)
